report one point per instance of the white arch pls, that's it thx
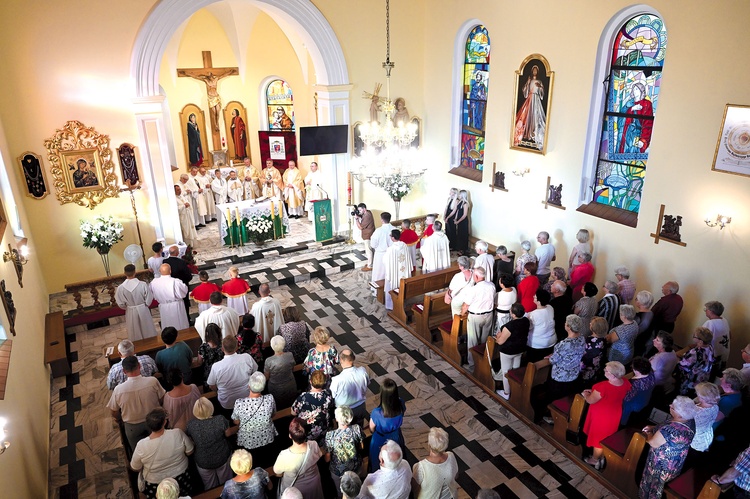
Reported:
(598, 99)
(307, 21)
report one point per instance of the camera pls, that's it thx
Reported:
(355, 212)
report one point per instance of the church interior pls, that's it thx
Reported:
(113, 67)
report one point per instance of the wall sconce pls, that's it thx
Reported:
(18, 257)
(4, 444)
(721, 221)
(521, 173)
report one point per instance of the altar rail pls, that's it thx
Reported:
(108, 285)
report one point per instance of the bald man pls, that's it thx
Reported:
(169, 292)
(267, 313)
(180, 271)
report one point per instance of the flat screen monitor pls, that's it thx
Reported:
(319, 140)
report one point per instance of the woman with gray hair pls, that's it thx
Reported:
(643, 317)
(669, 448)
(582, 274)
(697, 363)
(622, 338)
(254, 414)
(279, 369)
(351, 485)
(525, 258)
(625, 285)
(459, 285)
(435, 475)
(249, 483)
(168, 489)
(212, 452)
(342, 446)
(583, 246)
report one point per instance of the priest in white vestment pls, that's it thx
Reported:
(484, 259)
(169, 292)
(294, 191)
(313, 189)
(250, 180)
(398, 264)
(201, 210)
(219, 188)
(273, 184)
(267, 313)
(185, 212)
(234, 188)
(224, 317)
(436, 251)
(204, 181)
(380, 241)
(134, 296)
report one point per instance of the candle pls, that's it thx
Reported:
(273, 213)
(229, 219)
(223, 142)
(239, 226)
(349, 187)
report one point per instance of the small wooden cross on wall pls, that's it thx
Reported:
(211, 76)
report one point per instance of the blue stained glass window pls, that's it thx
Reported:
(476, 73)
(632, 94)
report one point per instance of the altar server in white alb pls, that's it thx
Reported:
(219, 188)
(185, 212)
(380, 241)
(398, 265)
(204, 181)
(436, 252)
(234, 187)
(200, 208)
(224, 317)
(169, 292)
(134, 296)
(235, 289)
(267, 313)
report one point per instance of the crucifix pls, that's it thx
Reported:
(211, 76)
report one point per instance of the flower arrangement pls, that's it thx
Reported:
(397, 186)
(259, 228)
(101, 234)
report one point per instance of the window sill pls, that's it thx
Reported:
(468, 173)
(610, 213)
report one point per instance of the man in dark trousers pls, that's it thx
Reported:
(180, 271)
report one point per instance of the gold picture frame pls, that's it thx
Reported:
(35, 178)
(532, 104)
(228, 120)
(200, 124)
(732, 154)
(76, 182)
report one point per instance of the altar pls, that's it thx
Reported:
(231, 232)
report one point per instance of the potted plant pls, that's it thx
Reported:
(101, 235)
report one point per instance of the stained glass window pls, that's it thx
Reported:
(632, 93)
(280, 105)
(476, 75)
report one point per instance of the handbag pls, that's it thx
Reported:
(573, 437)
(141, 477)
(302, 465)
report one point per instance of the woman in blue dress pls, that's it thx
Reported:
(386, 421)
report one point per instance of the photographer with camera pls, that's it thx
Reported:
(366, 224)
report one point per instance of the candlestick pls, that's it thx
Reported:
(349, 188)
(273, 220)
(229, 227)
(239, 226)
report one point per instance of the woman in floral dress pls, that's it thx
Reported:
(253, 414)
(323, 357)
(669, 448)
(696, 365)
(591, 362)
(210, 352)
(316, 407)
(296, 334)
(248, 341)
(342, 446)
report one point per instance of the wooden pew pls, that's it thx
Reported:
(379, 287)
(429, 314)
(622, 451)
(522, 380)
(693, 484)
(482, 358)
(418, 285)
(568, 415)
(149, 346)
(55, 353)
(450, 332)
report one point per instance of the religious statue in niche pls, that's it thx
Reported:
(10, 307)
(195, 146)
(374, 98)
(671, 227)
(402, 114)
(239, 135)
(33, 174)
(500, 180)
(128, 164)
(555, 195)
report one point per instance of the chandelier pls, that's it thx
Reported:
(387, 158)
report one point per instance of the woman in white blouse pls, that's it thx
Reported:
(435, 475)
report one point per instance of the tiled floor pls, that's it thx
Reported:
(493, 448)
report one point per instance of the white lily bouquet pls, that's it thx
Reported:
(259, 228)
(397, 187)
(101, 234)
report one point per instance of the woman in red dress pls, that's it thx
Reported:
(605, 410)
(528, 286)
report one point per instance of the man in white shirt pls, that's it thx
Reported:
(484, 259)
(480, 304)
(545, 255)
(231, 375)
(349, 388)
(224, 317)
(267, 312)
(219, 188)
(392, 480)
(460, 285)
(169, 292)
(436, 250)
(234, 187)
(134, 296)
(398, 265)
(380, 241)
(719, 326)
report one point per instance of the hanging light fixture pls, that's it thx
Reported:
(388, 160)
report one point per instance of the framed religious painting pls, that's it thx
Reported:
(194, 138)
(532, 102)
(732, 153)
(235, 120)
(126, 153)
(32, 171)
(81, 165)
